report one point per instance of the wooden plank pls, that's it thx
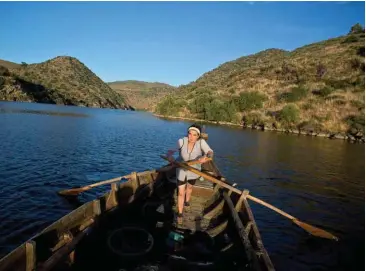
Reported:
(63, 252)
(258, 240)
(15, 260)
(30, 251)
(218, 229)
(111, 200)
(215, 211)
(240, 200)
(249, 251)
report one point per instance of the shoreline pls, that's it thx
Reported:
(337, 135)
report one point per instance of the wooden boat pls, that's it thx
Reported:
(132, 227)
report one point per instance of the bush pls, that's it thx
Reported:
(356, 29)
(323, 92)
(296, 94)
(351, 39)
(356, 123)
(310, 126)
(289, 114)
(356, 64)
(320, 71)
(253, 119)
(308, 106)
(361, 51)
(357, 104)
(2, 82)
(169, 106)
(4, 71)
(338, 84)
(250, 100)
(216, 110)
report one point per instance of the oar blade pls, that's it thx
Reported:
(72, 191)
(315, 231)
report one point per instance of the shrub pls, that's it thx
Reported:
(169, 106)
(356, 64)
(356, 29)
(250, 100)
(323, 92)
(217, 110)
(320, 71)
(2, 82)
(296, 94)
(307, 106)
(361, 51)
(357, 104)
(351, 39)
(338, 84)
(289, 114)
(4, 71)
(253, 119)
(356, 123)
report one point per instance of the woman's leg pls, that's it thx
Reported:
(189, 189)
(181, 196)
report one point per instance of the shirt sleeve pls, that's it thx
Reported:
(205, 147)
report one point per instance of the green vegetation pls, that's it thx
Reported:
(289, 115)
(296, 94)
(318, 85)
(62, 80)
(250, 100)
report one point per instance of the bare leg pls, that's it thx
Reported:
(188, 192)
(181, 195)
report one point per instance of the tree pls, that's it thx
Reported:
(357, 28)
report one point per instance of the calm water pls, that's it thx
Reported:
(47, 148)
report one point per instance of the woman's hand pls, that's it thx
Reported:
(202, 159)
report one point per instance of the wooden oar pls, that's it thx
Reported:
(307, 227)
(77, 191)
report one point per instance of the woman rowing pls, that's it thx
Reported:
(192, 147)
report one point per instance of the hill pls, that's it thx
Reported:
(316, 89)
(8, 64)
(61, 80)
(142, 95)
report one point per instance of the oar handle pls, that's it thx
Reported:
(108, 181)
(270, 207)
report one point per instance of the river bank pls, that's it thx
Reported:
(344, 136)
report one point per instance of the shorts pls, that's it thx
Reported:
(191, 182)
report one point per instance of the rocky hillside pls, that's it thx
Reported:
(318, 88)
(142, 95)
(62, 80)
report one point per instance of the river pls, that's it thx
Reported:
(47, 148)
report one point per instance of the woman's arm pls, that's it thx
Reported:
(206, 150)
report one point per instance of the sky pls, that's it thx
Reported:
(170, 42)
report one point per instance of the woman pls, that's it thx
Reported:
(191, 147)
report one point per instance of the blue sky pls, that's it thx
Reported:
(171, 42)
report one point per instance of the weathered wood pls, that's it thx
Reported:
(63, 252)
(77, 191)
(215, 211)
(240, 200)
(257, 240)
(30, 251)
(253, 261)
(112, 198)
(15, 260)
(218, 229)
